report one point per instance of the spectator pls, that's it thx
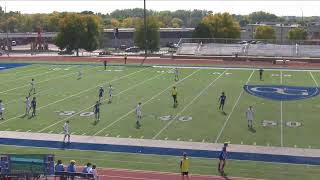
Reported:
(87, 168)
(94, 172)
(59, 166)
(72, 166)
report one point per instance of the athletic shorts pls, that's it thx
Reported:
(174, 96)
(184, 173)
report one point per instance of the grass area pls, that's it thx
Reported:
(170, 164)
(59, 90)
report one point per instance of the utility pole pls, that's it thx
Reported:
(7, 29)
(145, 29)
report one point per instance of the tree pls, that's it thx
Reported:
(265, 32)
(153, 34)
(176, 23)
(218, 26)
(297, 34)
(261, 16)
(78, 31)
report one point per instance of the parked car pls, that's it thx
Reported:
(2, 53)
(243, 42)
(13, 43)
(171, 45)
(123, 47)
(133, 49)
(103, 53)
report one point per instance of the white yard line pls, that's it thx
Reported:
(313, 78)
(19, 70)
(102, 101)
(26, 77)
(75, 94)
(238, 68)
(125, 115)
(281, 114)
(234, 106)
(23, 98)
(189, 104)
(58, 77)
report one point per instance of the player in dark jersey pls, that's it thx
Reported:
(105, 64)
(33, 106)
(222, 100)
(96, 110)
(222, 158)
(260, 74)
(101, 93)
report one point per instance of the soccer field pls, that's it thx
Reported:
(60, 97)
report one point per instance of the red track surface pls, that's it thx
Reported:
(125, 174)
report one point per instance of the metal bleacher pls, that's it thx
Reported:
(212, 47)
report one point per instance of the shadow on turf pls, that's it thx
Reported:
(224, 113)
(252, 130)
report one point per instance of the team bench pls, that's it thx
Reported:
(283, 61)
(67, 175)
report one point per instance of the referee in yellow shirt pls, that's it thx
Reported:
(174, 95)
(184, 166)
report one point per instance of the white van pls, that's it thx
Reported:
(13, 43)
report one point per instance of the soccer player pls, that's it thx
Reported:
(66, 132)
(1, 110)
(249, 115)
(96, 110)
(184, 166)
(125, 58)
(222, 158)
(87, 168)
(80, 73)
(28, 105)
(110, 93)
(176, 74)
(59, 167)
(72, 167)
(101, 93)
(260, 73)
(105, 64)
(222, 100)
(33, 106)
(33, 87)
(139, 114)
(174, 94)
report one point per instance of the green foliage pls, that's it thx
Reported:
(152, 35)
(261, 16)
(297, 34)
(218, 26)
(176, 23)
(265, 32)
(78, 31)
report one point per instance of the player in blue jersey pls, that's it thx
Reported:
(101, 93)
(33, 106)
(222, 158)
(96, 110)
(222, 100)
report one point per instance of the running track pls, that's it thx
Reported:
(125, 174)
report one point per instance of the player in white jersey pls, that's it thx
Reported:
(66, 131)
(1, 110)
(80, 73)
(250, 115)
(176, 74)
(110, 93)
(33, 87)
(139, 114)
(28, 105)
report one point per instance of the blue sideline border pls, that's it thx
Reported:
(162, 151)
(4, 66)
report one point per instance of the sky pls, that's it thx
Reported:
(280, 8)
